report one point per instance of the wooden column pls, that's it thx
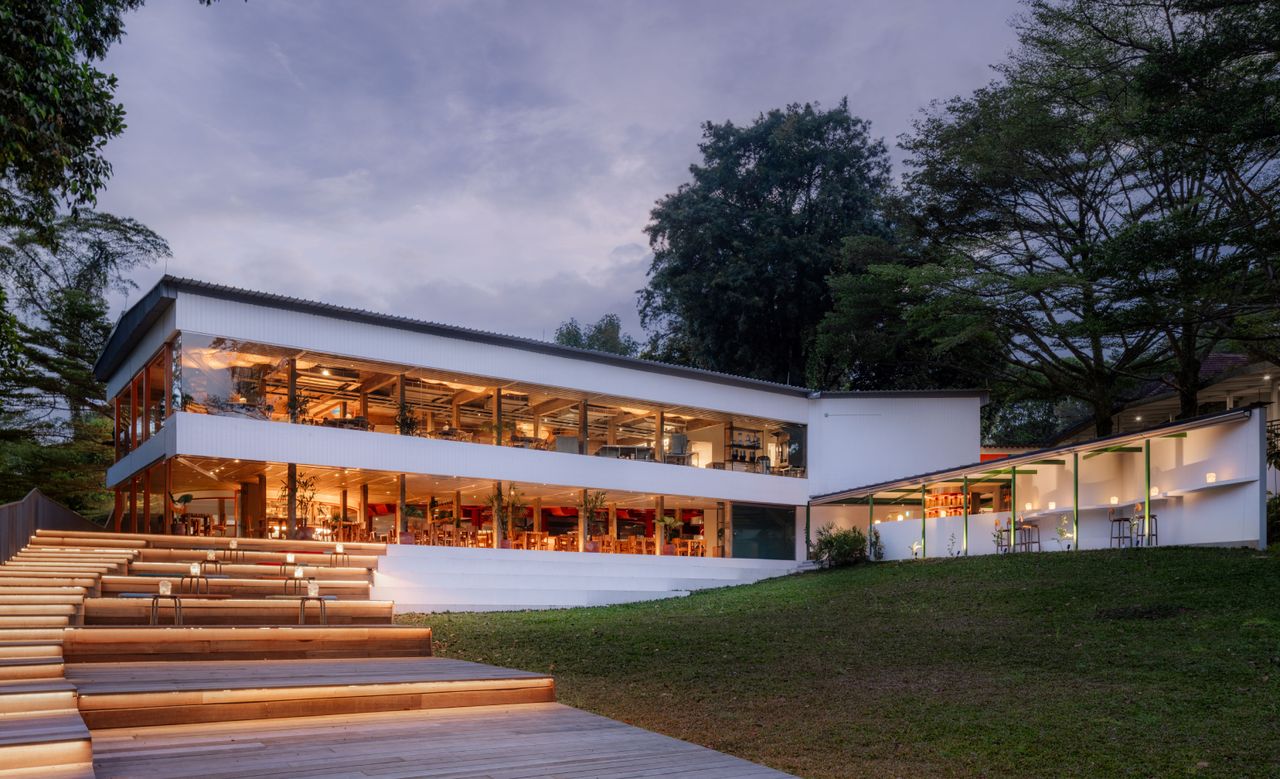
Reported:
(342, 515)
(728, 529)
(146, 499)
(117, 517)
(294, 416)
(400, 402)
(659, 534)
(364, 405)
(659, 430)
(262, 503)
(292, 482)
(457, 508)
(366, 519)
(133, 418)
(133, 504)
(167, 512)
(402, 505)
(537, 515)
(168, 379)
(583, 522)
(498, 521)
(497, 416)
(222, 512)
(455, 414)
(583, 427)
(146, 403)
(613, 520)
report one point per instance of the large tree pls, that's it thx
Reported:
(742, 252)
(55, 425)
(57, 110)
(1190, 92)
(606, 335)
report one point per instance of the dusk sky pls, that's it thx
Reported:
(482, 163)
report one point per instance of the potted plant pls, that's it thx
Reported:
(407, 423)
(589, 505)
(668, 528)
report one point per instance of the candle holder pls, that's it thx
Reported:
(166, 587)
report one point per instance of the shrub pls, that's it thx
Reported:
(1273, 520)
(836, 548)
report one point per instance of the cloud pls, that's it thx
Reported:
(485, 163)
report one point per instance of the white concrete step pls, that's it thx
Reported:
(436, 600)
(425, 578)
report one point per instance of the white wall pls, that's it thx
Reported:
(856, 441)
(143, 350)
(342, 337)
(202, 435)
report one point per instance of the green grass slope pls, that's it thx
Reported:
(1162, 662)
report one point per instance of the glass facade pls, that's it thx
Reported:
(764, 532)
(222, 376)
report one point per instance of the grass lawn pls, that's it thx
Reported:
(1162, 662)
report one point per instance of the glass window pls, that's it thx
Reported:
(764, 532)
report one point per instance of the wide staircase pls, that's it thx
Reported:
(89, 641)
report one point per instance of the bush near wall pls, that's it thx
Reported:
(836, 548)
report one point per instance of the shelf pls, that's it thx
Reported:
(1214, 486)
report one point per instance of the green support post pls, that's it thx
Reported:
(1146, 493)
(871, 523)
(1075, 498)
(1013, 509)
(808, 542)
(923, 522)
(964, 501)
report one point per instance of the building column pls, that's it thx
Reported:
(497, 416)
(342, 516)
(871, 523)
(1013, 509)
(262, 503)
(584, 428)
(166, 513)
(659, 432)
(366, 519)
(964, 502)
(402, 517)
(292, 485)
(498, 515)
(457, 508)
(537, 515)
(728, 529)
(133, 504)
(583, 522)
(613, 520)
(924, 518)
(117, 516)
(294, 410)
(659, 534)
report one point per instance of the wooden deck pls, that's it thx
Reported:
(487, 742)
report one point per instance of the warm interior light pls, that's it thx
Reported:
(338, 548)
(1210, 477)
(1052, 505)
(899, 517)
(1027, 506)
(878, 521)
(324, 371)
(194, 569)
(288, 557)
(233, 543)
(1114, 500)
(313, 588)
(210, 556)
(1155, 491)
(942, 512)
(297, 572)
(1137, 419)
(166, 587)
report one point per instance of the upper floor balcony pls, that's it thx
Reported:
(217, 376)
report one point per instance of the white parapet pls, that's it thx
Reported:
(434, 578)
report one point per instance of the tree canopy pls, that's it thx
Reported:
(605, 335)
(742, 252)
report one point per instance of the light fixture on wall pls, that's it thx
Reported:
(1155, 491)
(1026, 506)
(1052, 505)
(338, 549)
(899, 517)
(1210, 477)
(1115, 501)
(942, 512)
(297, 572)
(288, 558)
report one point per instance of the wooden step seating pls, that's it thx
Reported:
(328, 573)
(132, 644)
(42, 591)
(234, 611)
(114, 586)
(164, 693)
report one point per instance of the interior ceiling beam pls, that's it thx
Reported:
(624, 418)
(466, 396)
(551, 406)
(371, 384)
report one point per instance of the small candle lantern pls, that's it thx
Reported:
(1115, 501)
(1052, 505)
(942, 512)
(288, 558)
(313, 588)
(233, 544)
(1027, 506)
(194, 569)
(1155, 491)
(210, 556)
(166, 587)
(297, 572)
(339, 549)
(1210, 477)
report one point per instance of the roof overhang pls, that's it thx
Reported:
(998, 470)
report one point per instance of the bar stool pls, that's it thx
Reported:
(1151, 537)
(1121, 530)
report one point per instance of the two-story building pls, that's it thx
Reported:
(244, 413)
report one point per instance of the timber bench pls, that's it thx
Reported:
(131, 644)
(204, 611)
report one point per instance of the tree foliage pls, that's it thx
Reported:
(742, 252)
(57, 110)
(606, 335)
(55, 425)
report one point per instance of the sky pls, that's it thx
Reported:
(486, 164)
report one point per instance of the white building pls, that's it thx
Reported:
(284, 417)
